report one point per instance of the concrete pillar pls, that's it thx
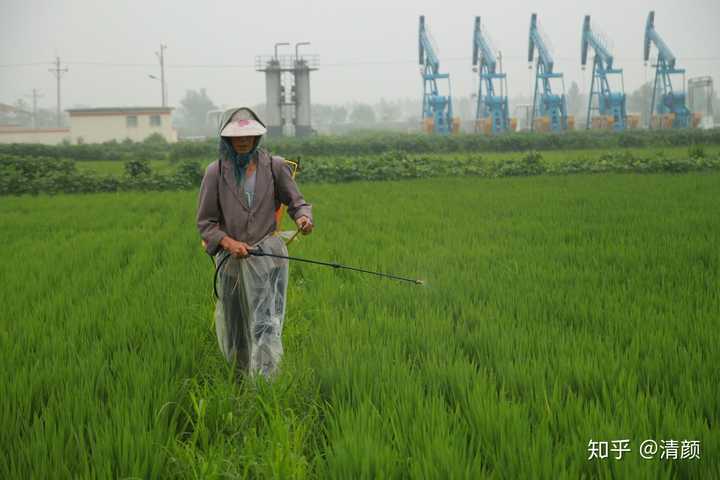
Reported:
(302, 99)
(273, 98)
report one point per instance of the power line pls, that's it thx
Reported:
(514, 59)
(113, 64)
(32, 64)
(210, 66)
(132, 65)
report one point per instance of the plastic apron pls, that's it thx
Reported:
(250, 311)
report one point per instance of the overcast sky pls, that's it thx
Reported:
(367, 48)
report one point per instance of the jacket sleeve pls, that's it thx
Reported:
(287, 190)
(209, 213)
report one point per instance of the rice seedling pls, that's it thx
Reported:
(558, 310)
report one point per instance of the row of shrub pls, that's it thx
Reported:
(34, 175)
(401, 165)
(154, 147)
(19, 175)
(373, 144)
(376, 143)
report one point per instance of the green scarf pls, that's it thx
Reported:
(239, 161)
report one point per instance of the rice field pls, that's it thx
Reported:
(556, 311)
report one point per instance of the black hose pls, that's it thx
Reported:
(217, 271)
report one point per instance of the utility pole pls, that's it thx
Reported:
(35, 95)
(161, 57)
(58, 72)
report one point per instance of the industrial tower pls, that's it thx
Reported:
(667, 100)
(281, 110)
(492, 111)
(549, 109)
(700, 101)
(437, 112)
(609, 104)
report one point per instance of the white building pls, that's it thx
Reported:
(97, 125)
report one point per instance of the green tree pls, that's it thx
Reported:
(193, 113)
(389, 110)
(23, 113)
(155, 139)
(339, 115)
(362, 113)
(576, 103)
(47, 118)
(639, 102)
(463, 108)
(321, 114)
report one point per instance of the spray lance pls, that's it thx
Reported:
(258, 252)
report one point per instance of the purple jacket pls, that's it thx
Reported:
(223, 209)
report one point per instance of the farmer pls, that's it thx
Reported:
(239, 196)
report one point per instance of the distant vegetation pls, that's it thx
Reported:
(372, 143)
(33, 175)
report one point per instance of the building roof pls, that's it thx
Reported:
(5, 108)
(118, 110)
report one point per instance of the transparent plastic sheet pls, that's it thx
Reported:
(250, 312)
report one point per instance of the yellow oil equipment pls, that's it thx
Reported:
(597, 122)
(696, 119)
(456, 125)
(667, 120)
(428, 125)
(664, 120)
(483, 125)
(541, 124)
(571, 122)
(513, 124)
(633, 121)
(602, 122)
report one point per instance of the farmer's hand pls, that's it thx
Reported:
(304, 224)
(236, 249)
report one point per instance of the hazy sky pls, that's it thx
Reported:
(367, 48)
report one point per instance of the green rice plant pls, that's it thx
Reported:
(556, 310)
